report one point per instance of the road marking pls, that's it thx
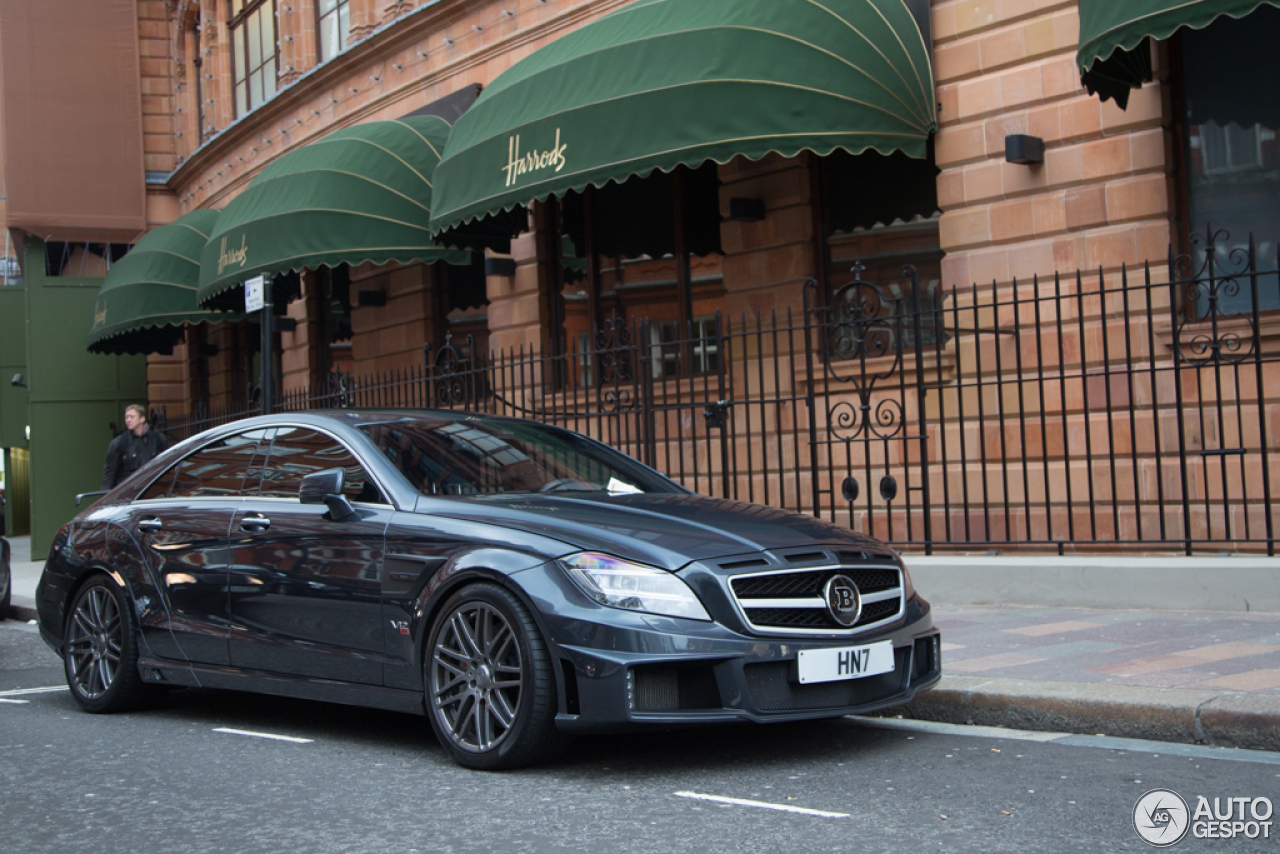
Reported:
(18, 692)
(760, 804)
(1066, 739)
(15, 702)
(263, 735)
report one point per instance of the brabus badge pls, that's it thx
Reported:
(844, 603)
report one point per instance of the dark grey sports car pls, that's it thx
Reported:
(513, 581)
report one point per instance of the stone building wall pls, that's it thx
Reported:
(1102, 196)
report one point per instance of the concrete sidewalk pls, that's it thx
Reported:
(1189, 676)
(26, 574)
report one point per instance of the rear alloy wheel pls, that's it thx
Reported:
(100, 653)
(490, 688)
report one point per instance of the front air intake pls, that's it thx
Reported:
(667, 689)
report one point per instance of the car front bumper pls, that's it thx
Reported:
(621, 670)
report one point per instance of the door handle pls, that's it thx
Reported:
(255, 523)
(150, 525)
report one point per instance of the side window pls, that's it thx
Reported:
(216, 469)
(297, 452)
(159, 488)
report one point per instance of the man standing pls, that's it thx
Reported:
(132, 449)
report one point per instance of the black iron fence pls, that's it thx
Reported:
(203, 418)
(1136, 410)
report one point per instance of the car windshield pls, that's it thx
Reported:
(477, 456)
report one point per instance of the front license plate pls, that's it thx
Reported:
(848, 662)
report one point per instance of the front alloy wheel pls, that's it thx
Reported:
(490, 690)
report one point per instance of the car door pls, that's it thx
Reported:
(306, 594)
(180, 524)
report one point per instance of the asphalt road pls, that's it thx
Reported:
(365, 781)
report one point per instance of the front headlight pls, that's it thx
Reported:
(908, 588)
(634, 587)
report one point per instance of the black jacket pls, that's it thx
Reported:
(127, 453)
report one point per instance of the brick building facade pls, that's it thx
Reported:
(1117, 189)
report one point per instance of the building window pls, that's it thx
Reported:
(253, 52)
(586, 376)
(1232, 148)
(642, 259)
(668, 341)
(333, 27)
(1231, 178)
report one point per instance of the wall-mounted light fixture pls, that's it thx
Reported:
(500, 267)
(1023, 149)
(18, 381)
(745, 210)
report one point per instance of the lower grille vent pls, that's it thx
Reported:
(667, 689)
(657, 689)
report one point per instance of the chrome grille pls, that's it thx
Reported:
(790, 601)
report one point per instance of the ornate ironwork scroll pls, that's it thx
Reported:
(1211, 277)
(864, 321)
(615, 354)
(453, 375)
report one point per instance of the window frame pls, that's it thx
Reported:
(169, 471)
(1170, 54)
(344, 39)
(368, 473)
(236, 21)
(699, 340)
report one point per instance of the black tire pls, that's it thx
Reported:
(100, 650)
(490, 687)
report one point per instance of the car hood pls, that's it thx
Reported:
(662, 530)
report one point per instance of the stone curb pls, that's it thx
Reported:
(1249, 721)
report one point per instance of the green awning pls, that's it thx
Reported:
(150, 293)
(1112, 56)
(661, 83)
(359, 194)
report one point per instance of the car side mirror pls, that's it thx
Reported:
(325, 487)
